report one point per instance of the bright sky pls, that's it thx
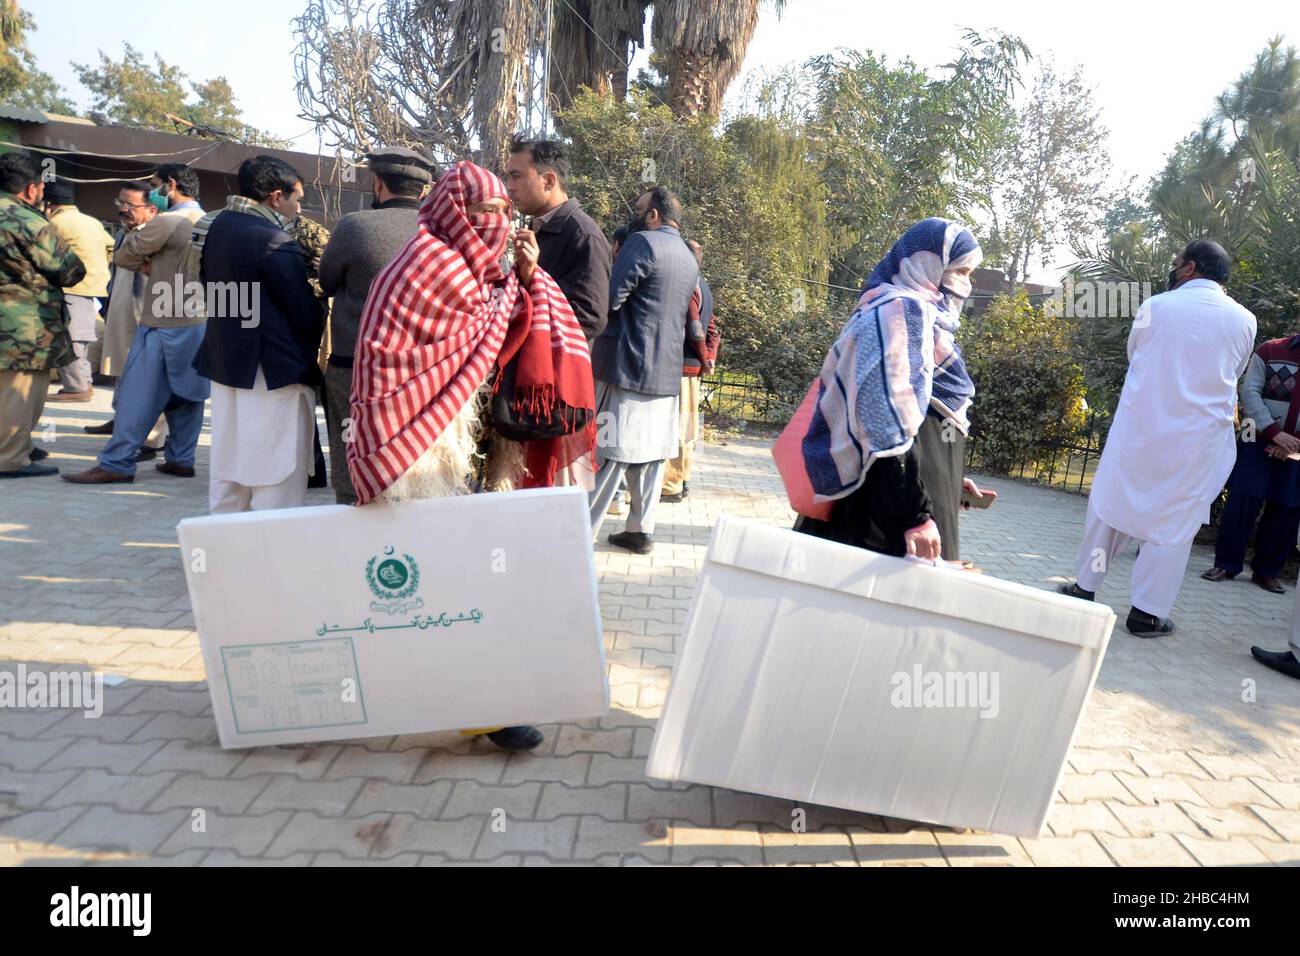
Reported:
(1156, 67)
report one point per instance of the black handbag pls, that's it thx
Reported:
(519, 425)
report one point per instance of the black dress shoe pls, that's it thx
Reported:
(31, 471)
(1284, 662)
(1272, 585)
(104, 429)
(1073, 590)
(516, 739)
(146, 454)
(38, 454)
(673, 499)
(634, 541)
(1142, 624)
(1218, 574)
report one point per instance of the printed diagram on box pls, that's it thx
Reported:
(294, 685)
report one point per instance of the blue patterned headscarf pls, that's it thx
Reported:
(896, 358)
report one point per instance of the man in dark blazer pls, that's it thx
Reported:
(261, 356)
(572, 249)
(637, 363)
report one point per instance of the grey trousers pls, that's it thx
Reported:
(76, 377)
(82, 313)
(336, 393)
(645, 483)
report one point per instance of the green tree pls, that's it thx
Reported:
(14, 24)
(749, 197)
(130, 92)
(1029, 388)
(1054, 171)
(40, 91)
(22, 83)
(896, 144)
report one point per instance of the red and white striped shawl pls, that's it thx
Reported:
(438, 317)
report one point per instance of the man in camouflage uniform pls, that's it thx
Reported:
(35, 266)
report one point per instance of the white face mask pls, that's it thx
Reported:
(957, 286)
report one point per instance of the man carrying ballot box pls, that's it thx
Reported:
(1172, 444)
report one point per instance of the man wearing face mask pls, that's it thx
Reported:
(1187, 349)
(362, 244)
(157, 378)
(262, 366)
(126, 289)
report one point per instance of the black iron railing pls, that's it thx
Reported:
(1068, 464)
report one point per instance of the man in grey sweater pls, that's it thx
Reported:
(360, 246)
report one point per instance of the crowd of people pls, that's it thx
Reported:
(456, 351)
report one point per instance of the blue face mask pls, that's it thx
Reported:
(159, 199)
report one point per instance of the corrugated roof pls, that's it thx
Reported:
(21, 114)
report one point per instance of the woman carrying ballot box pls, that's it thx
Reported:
(452, 348)
(886, 444)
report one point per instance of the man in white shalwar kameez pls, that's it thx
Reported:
(1172, 444)
(262, 366)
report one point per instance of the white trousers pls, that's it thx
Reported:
(1157, 573)
(261, 447)
(229, 497)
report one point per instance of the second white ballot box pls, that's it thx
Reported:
(337, 622)
(823, 673)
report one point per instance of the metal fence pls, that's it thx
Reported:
(1069, 464)
(741, 398)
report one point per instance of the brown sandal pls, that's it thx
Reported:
(1217, 574)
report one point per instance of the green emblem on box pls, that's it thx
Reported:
(393, 581)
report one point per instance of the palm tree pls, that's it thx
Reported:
(703, 44)
(592, 42)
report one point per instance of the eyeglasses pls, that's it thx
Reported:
(122, 204)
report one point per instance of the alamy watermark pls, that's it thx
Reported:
(946, 689)
(213, 300)
(1091, 299)
(22, 689)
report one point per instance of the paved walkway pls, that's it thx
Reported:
(1188, 754)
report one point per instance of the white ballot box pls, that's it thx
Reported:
(823, 673)
(337, 622)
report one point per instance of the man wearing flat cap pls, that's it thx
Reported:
(361, 245)
(93, 245)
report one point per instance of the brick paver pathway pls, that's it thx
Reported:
(1188, 753)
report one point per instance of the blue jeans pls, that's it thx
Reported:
(144, 392)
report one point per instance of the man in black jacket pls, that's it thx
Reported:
(572, 249)
(260, 356)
